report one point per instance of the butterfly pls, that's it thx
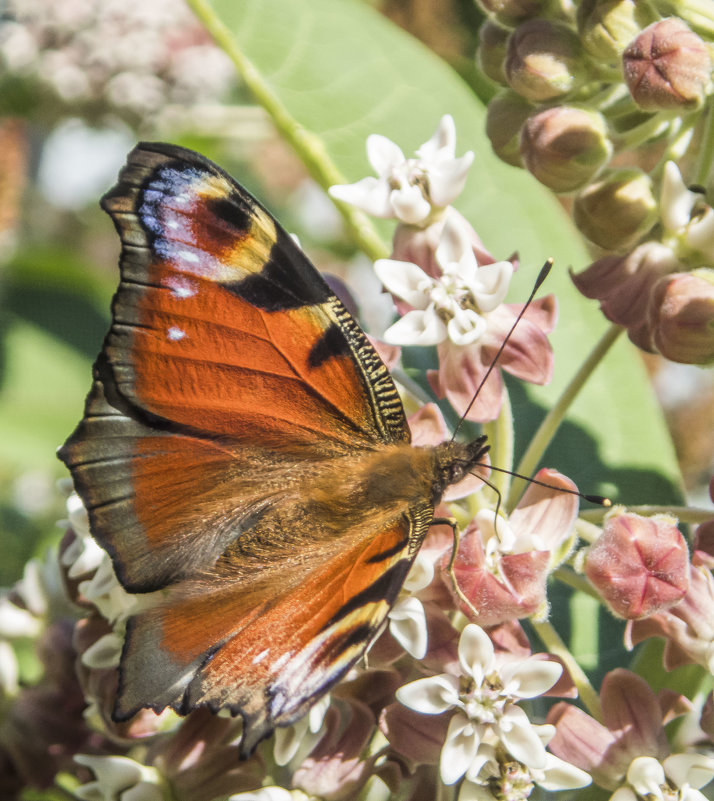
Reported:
(244, 456)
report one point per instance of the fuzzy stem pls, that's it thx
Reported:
(685, 514)
(308, 146)
(706, 148)
(500, 438)
(554, 645)
(552, 420)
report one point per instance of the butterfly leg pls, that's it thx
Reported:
(451, 522)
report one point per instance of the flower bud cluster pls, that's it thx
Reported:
(583, 93)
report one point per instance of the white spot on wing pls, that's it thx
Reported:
(280, 662)
(180, 286)
(261, 656)
(175, 333)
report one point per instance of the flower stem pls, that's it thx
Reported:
(706, 148)
(553, 643)
(552, 420)
(685, 514)
(308, 146)
(500, 438)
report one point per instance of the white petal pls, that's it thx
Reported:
(466, 327)
(409, 204)
(623, 793)
(475, 792)
(561, 775)
(9, 670)
(143, 791)
(407, 624)
(263, 794)
(694, 769)
(288, 740)
(454, 243)
(442, 140)
(420, 575)
(383, 154)
(104, 653)
(369, 194)
(430, 696)
(476, 653)
(114, 773)
(405, 280)
(446, 182)
(417, 328)
(520, 738)
(491, 285)
(646, 774)
(700, 234)
(460, 748)
(530, 677)
(676, 201)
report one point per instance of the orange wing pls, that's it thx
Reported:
(231, 382)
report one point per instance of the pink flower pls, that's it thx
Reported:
(502, 565)
(639, 565)
(633, 726)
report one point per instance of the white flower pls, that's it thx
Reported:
(485, 704)
(409, 189)
(302, 736)
(676, 778)
(270, 794)
(407, 619)
(687, 219)
(452, 306)
(119, 779)
(493, 774)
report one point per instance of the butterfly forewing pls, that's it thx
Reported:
(233, 398)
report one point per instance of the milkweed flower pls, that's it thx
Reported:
(410, 190)
(461, 310)
(484, 701)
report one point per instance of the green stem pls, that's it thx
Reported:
(554, 645)
(308, 146)
(554, 418)
(685, 514)
(706, 148)
(500, 438)
(575, 580)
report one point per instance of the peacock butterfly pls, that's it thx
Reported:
(244, 456)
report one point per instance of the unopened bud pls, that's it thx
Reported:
(565, 146)
(668, 66)
(505, 116)
(682, 317)
(639, 565)
(512, 12)
(607, 27)
(617, 209)
(544, 60)
(492, 40)
(698, 14)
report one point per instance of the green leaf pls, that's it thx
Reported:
(342, 71)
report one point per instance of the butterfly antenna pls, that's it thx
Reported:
(542, 275)
(600, 500)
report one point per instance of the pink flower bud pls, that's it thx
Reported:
(617, 209)
(639, 565)
(544, 60)
(623, 285)
(682, 317)
(505, 116)
(668, 67)
(565, 146)
(492, 39)
(606, 28)
(511, 12)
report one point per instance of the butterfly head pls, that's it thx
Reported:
(455, 460)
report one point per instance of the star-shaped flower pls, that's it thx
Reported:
(485, 701)
(409, 189)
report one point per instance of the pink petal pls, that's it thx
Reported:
(428, 426)
(547, 513)
(415, 736)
